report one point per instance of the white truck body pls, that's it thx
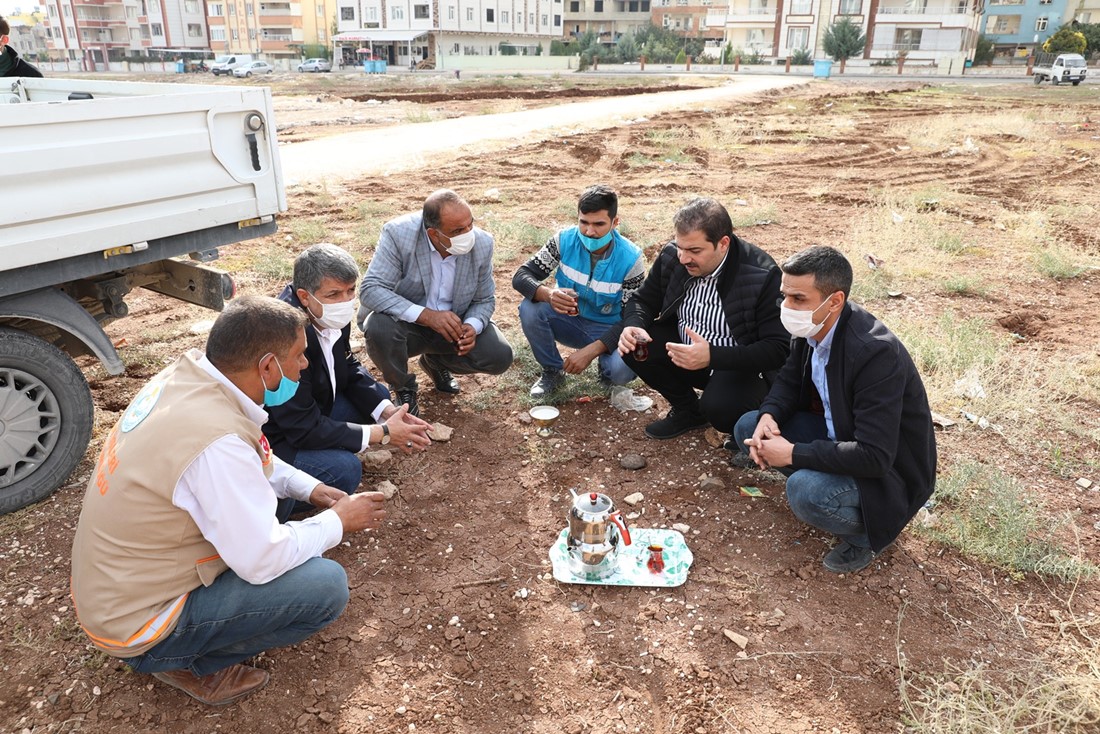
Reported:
(1059, 69)
(110, 186)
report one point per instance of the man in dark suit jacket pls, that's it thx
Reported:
(10, 63)
(847, 419)
(338, 409)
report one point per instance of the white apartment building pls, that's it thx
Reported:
(923, 30)
(100, 31)
(608, 19)
(400, 31)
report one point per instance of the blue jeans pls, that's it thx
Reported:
(338, 468)
(545, 328)
(231, 620)
(829, 502)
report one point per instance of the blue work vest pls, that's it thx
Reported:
(599, 291)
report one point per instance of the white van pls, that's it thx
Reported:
(226, 64)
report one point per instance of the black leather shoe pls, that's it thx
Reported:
(678, 420)
(408, 397)
(443, 379)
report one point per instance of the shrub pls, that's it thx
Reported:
(801, 57)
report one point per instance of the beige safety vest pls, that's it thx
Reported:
(135, 555)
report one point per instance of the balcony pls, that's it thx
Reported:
(960, 8)
(754, 13)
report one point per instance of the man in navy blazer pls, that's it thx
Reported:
(337, 409)
(847, 419)
(429, 291)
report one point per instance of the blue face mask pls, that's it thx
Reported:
(594, 243)
(284, 392)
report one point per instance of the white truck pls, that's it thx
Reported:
(110, 186)
(1059, 68)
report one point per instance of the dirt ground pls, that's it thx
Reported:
(455, 624)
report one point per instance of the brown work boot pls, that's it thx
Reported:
(217, 689)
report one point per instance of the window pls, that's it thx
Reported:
(455, 48)
(645, 6)
(489, 15)
(545, 19)
(597, 6)
(217, 33)
(801, 7)
(215, 11)
(574, 7)
(1044, 2)
(998, 24)
(248, 10)
(68, 13)
(321, 35)
(666, 20)
(504, 16)
(907, 39)
(850, 7)
(156, 29)
(194, 30)
(232, 8)
(346, 13)
(450, 12)
(1041, 23)
(397, 12)
(235, 36)
(469, 13)
(252, 33)
(531, 18)
(131, 12)
(372, 13)
(191, 6)
(798, 38)
(557, 21)
(320, 11)
(420, 12)
(53, 11)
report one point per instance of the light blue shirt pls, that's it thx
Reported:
(818, 361)
(440, 290)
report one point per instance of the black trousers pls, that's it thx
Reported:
(727, 394)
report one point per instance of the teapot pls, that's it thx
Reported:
(595, 531)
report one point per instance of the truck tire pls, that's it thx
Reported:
(45, 418)
(1055, 81)
(1077, 82)
(1038, 79)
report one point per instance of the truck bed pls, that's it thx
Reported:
(137, 162)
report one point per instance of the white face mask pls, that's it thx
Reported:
(335, 315)
(462, 243)
(800, 323)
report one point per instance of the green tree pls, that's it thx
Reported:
(801, 57)
(1091, 32)
(727, 54)
(983, 52)
(559, 48)
(1066, 40)
(681, 58)
(843, 40)
(627, 48)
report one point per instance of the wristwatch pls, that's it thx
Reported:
(385, 434)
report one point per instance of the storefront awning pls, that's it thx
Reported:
(380, 36)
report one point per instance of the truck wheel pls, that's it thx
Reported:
(1037, 79)
(1055, 80)
(45, 418)
(1077, 82)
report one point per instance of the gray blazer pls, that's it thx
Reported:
(400, 272)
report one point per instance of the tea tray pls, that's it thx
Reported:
(631, 560)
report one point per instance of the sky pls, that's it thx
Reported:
(8, 7)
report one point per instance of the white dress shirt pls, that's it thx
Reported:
(441, 290)
(327, 339)
(819, 360)
(226, 493)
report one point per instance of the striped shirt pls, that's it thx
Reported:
(701, 311)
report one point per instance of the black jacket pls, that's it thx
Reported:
(749, 285)
(881, 418)
(303, 422)
(19, 67)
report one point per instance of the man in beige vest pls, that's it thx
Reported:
(180, 567)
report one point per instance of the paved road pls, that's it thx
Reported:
(394, 148)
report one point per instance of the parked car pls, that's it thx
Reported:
(253, 67)
(315, 65)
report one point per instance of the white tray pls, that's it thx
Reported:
(631, 560)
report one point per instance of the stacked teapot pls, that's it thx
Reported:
(596, 532)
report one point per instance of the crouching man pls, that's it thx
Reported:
(179, 565)
(847, 419)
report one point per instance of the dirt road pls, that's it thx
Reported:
(407, 147)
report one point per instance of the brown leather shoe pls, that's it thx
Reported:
(217, 689)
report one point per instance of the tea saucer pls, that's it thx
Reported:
(630, 562)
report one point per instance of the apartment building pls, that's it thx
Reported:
(690, 18)
(101, 31)
(276, 29)
(410, 31)
(608, 19)
(1083, 11)
(29, 35)
(1018, 27)
(927, 30)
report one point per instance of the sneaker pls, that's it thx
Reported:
(678, 420)
(550, 381)
(848, 558)
(217, 689)
(441, 376)
(408, 397)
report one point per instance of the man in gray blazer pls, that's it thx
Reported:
(429, 291)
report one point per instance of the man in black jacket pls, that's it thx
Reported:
(336, 409)
(708, 315)
(847, 419)
(10, 63)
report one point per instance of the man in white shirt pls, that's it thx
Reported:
(180, 567)
(429, 290)
(338, 410)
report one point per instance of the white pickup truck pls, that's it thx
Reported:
(1059, 68)
(110, 186)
